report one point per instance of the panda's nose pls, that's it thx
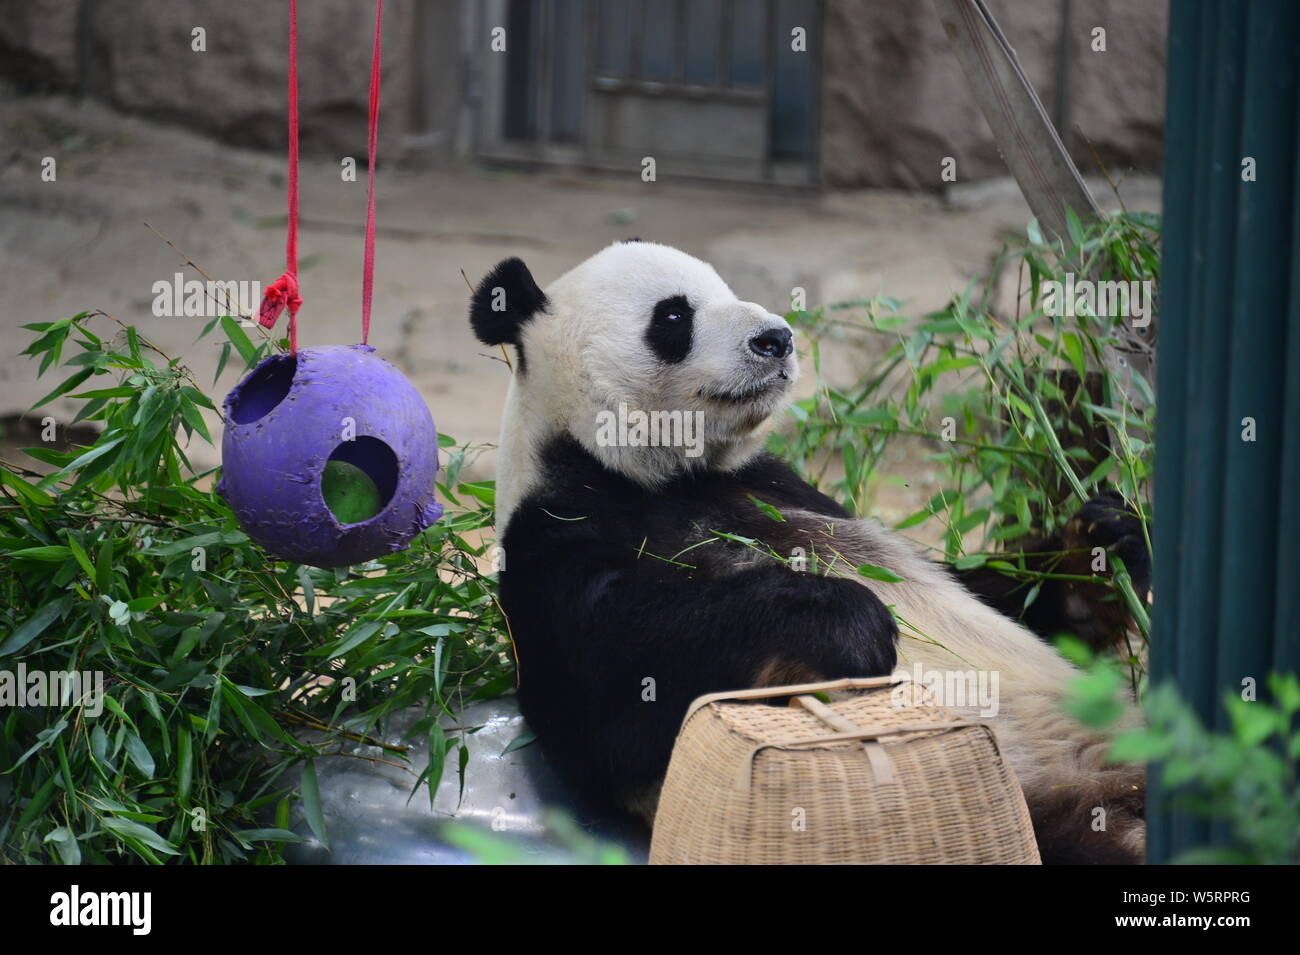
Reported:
(773, 343)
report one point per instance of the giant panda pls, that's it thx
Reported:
(613, 580)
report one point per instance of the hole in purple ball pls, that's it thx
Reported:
(265, 388)
(356, 498)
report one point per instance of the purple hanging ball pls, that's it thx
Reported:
(294, 414)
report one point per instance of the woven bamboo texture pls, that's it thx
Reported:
(858, 780)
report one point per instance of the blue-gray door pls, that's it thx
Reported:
(723, 88)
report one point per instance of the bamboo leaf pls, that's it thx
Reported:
(64, 388)
(311, 801)
(35, 625)
(98, 451)
(130, 829)
(873, 572)
(239, 340)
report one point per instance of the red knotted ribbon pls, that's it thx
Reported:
(283, 292)
(279, 295)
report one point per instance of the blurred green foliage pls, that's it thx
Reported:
(1242, 777)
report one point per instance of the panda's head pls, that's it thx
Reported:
(637, 328)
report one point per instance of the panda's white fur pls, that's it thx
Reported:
(586, 352)
(595, 359)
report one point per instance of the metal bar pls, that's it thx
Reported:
(635, 36)
(815, 107)
(544, 75)
(679, 41)
(1206, 371)
(590, 43)
(1225, 606)
(769, 83)
(1176, 297)
(724, 45)
(1286, 619)
(1256, 376)
(1252, 496)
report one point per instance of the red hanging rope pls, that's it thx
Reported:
(368, 260)
(283, 292)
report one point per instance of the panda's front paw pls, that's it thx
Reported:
(829, 628)
(1109, 522)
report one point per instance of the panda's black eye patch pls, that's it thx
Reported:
(669, 332)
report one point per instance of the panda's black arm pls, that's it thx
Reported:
(585, 554)
(583, 594)
(701, 634)
(747, 628)
(612, 651)
(1092, 612)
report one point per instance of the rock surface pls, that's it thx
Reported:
(139, 56)
(374, 815)
(895, 99)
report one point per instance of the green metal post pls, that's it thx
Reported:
(1227, 495)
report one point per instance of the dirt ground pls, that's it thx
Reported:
(80, 242)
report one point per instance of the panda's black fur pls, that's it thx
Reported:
(625, 602)
(507, 297)
(601, 601)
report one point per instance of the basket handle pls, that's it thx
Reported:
(882, 768)
(796, 689)
(871, 735)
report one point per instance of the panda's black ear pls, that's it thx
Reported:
(506, 298)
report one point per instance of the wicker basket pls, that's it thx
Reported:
(859, 780)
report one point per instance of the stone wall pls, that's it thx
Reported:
(895, 100)
(137, 56)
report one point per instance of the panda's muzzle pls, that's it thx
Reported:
(772, 343)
